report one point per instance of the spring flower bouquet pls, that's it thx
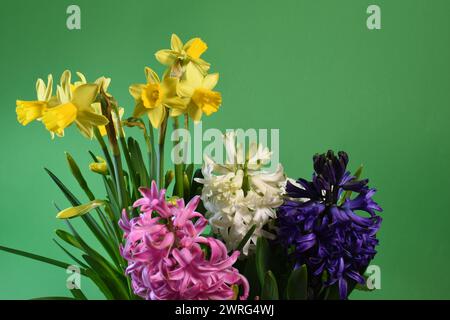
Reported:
(229, 230)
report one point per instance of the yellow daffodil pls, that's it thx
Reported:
(28, 111)
(155, 96)
(99, 167)
(79, 210)
(198, 90)
(103, 83)
(73, 107)
(183, 54)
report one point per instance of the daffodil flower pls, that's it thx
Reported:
(155, 96)
(198, 90)
(102, 82)
(183, 54)
(28, 111)
(75, 107)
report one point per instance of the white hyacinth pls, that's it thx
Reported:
(241, 193)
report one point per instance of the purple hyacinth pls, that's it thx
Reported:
(319, 224)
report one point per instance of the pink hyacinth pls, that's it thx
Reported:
(168, 259)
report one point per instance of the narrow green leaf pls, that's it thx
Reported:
(90, 222)
(138, 164)
(170, 175)
(78, 294)
(36, 257)
(196, 187)
(252, 276)
(68, 238)
(110, 278)
(262, 258)
(78, 261)
(105, 151)
(270, 287)
(189, 171)
(246, 238)
(297, 286)
(54, 298)
(76, 172)
(100, 284)
(332, 293)
(112, 197)
(186, 188)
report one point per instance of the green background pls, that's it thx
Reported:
(310, 68)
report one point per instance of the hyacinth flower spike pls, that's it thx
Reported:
(324, 229)
(167, 256)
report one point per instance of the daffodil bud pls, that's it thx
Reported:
(79, 210)
(99, 167)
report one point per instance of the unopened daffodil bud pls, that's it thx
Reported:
(99, 167)
(79, 210)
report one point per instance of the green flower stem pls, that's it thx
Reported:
(162, 138)
(179, 172)
(118, 171)
(126, 152)
(186, 121)
(150, 141)
(104, 148)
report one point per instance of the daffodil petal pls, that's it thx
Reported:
(86, 130)
(193, 75)
(103, 83)
(166, 57)
(62, 96)
(175, 43)
(28, 111)
(65, 84)
(195, 48)
(152, 76)
(49, 89)
(184, 89)
(156, 115)
(58, 118)
(210, 81)
(40, 89)
(201, 65)
(139, 110)
(84, 96)
(82, 78)
(136, 91)
(176, 102)
(87, 120)
(79, 210)
(176, 112)
(169, 86)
